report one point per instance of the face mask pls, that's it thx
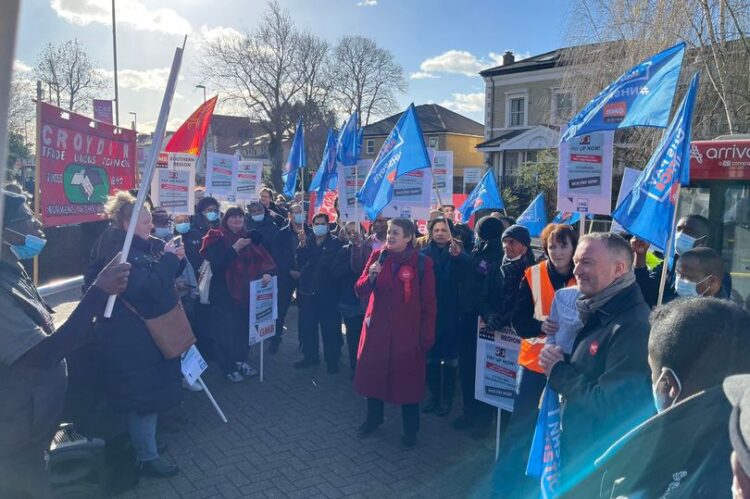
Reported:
(162, 232)
(687, 289)
(661, 401)
(299, 218)
(514, 259)
(182, 228)
(683, 243)
(212, 216)
(258, 218)
(31, 247)
(320, 230)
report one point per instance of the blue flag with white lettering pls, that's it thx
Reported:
(642, 96)
(403, 151)
(295, 161)
(544, 456)
(534, 217)
(326, 177)
(569, 217)
(647, 211)
(347, 147)
(485, 196)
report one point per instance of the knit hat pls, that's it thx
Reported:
(519, 233)
(11, 202)
(489, 228)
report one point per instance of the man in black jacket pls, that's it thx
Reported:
(263, 221)
(684, 450)
(605, 380)
(317, 296)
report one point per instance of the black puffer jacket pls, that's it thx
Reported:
(137, 376)
(501, 290)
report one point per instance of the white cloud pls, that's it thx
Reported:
(137, 80)
(149, 126)
(21, 67)
(465, 103)
(420, 75)
(217, 32)
(367, 3)
(132, 13)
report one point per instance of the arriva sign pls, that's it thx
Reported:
(720, 160)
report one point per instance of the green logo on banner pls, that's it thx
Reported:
(85, 184)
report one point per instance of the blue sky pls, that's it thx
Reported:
(440, 43)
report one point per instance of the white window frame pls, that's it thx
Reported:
(517, 94)
(557, 120)
(370, 146)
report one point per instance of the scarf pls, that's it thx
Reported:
(251, 263)
(587, 306)
(403, 273)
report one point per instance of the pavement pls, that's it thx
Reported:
(293, 435)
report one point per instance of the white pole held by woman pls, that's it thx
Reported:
(148, 170)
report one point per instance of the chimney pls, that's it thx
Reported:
(508, 58)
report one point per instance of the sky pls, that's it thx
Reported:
(441, 44)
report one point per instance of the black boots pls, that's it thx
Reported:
(433, 386)
(449, 385)
(441, 383)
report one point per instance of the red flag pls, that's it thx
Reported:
(190, 136)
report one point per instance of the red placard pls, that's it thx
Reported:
(82, 161)
(720, 160)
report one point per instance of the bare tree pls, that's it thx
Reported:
(68, 73)
(21, 107)
(366, 78)
(274, 73)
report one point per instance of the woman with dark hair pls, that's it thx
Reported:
(206, 217)
(398, 330)
(531, 322)
(450, 263)
(236, 258)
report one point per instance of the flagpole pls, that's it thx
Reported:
(668, 249)
(440, 201)
(356, 200)
(148, 170)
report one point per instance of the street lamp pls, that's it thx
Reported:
(135, 120)
(204, 91)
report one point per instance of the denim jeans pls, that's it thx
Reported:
(142, 429)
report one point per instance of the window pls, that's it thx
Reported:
(517, 114)
(562, 106)
(434, 142)
(370, 147)
(532, 155)
(511, 163)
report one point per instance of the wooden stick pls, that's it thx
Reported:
(668, 249)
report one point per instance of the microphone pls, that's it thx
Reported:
(383, 255)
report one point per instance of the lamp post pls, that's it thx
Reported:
(204, 91)
(135, 120)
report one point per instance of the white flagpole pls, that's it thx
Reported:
(149, 167)
(261, 361)
(213, 401)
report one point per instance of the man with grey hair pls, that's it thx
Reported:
(605, 381)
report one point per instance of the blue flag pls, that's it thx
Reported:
(485, 196)
(295, 161)
(326, 177)
(569, 217)
(403, 151)
(544, 456)
(347, 147)
(647, 211)
(642, 96)
(534, 217)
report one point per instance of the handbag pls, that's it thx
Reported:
(204, 282)
(171, 331)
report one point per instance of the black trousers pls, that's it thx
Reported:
(287, 286)
(467, 359)
(24, 475)
(318, 312)
(231, 326)
(409, 415)
(353, 332)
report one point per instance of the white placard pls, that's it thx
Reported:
(584, 182)
(497, 366)
(249, 179)
(348, 186)
(442, 171)
(411, 196)
(173, 183)
(221, 175)
(263, 310)
(193, 365)
(629, 176)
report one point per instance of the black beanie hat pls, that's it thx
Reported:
(519, 233)
(489, 228)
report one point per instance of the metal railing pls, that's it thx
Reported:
(61, 286)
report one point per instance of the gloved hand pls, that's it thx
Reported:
(256, 237)
(493, 322)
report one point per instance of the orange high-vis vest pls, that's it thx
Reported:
(542, 293)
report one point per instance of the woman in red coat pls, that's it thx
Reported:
(398, 331)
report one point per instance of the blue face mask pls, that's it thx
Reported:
(299, 218)
(661, 400)
(31, 247)
(687, 289)
(182, 228)
(683, 243)
(258, 218)
(320, 230)
(162, 232)
(212, 216)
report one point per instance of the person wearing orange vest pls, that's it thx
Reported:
(530, 320)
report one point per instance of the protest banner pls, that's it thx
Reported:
(103, 111)
(263, 310)
(497, 366)
(629, 176)
(193, 365)
(173, 184)
(249, 179)
(81, 162)
(585, 174)
(351, 179)
(442, 172)
(411, 196)
(471, 179)
(221, 174)
(328, 206)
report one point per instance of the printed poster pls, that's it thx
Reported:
(249, 179)
(411, 196)
(350, 181)
(442, 171)
(221, 172)
(585, 174)
(192, 365)
(173, 184)
(263, 310)
(497, 366)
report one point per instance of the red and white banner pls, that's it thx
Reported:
(81, 163)
(328, 206)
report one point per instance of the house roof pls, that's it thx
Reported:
(542, 136)
(533, 63)
(233, 130)
(502, 138)
(433, 118)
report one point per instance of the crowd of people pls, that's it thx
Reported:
(654, 397)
